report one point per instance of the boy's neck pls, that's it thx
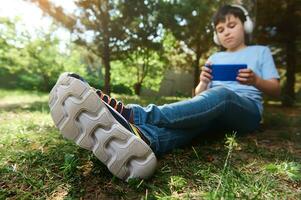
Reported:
(242, 46)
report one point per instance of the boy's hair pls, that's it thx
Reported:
(220, 15)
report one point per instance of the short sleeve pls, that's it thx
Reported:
(267, 64)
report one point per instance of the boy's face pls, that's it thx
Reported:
(231, 33)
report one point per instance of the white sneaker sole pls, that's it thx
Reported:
(82, 117)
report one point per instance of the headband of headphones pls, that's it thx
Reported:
(242, 8)
(246, 13)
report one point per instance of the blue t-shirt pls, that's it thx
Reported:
(258, 58)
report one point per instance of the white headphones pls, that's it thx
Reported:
(248, 24)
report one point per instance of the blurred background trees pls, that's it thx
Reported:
(133, 43)
(277, 25)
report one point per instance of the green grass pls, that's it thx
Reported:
(37, 163)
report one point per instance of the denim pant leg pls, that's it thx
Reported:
(163, 140)
(174, 122)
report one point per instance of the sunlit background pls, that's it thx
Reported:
(31, 18)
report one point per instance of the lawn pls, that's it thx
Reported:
(36, 162)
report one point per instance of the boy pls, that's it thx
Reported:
(126, 139)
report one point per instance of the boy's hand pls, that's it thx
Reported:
(247, 77)
(205, 75)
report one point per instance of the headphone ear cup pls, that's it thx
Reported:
(215, 38)
(248, 25)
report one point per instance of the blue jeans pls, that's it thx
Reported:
(177, 124)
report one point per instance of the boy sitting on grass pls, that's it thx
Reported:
(127, 139)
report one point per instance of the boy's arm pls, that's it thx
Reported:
(270, 87)
(205, 78)
(200, 87)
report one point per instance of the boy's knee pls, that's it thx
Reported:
(223, 93)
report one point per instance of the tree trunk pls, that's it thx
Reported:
(46, 81)
(106, 49)
(289, 88)
(137, 88)
(106, 62)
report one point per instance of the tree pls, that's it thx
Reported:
(44, 61)
(95, 18)
(11, 45)
(175, 54)
(106, 22)
(145, 67)
(190, 22)
(28, 59)
(278, 25)
(144, 36)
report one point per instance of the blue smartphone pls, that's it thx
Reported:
(225, 72)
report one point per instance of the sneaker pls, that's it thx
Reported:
(112, 103)
(117, 105)
(80, 116)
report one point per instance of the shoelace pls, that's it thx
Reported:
(117, 105)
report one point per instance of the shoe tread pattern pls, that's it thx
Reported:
(82, 117)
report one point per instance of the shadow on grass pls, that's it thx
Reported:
(62, 166)
(36, 106)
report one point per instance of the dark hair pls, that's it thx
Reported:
(220, 15)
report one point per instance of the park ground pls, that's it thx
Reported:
(37, 163)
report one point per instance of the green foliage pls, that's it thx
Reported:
(175, 56)
(277, 27)
(116, 27)
(190, 22)
(290, 169)
(176, 183)
(69, 166)
(143, 46)
(122, 89)
(130, 71)
(145, 36)
(43, 60)
(146, 68)
(35, 63)
(11, 43)
(230, 144)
